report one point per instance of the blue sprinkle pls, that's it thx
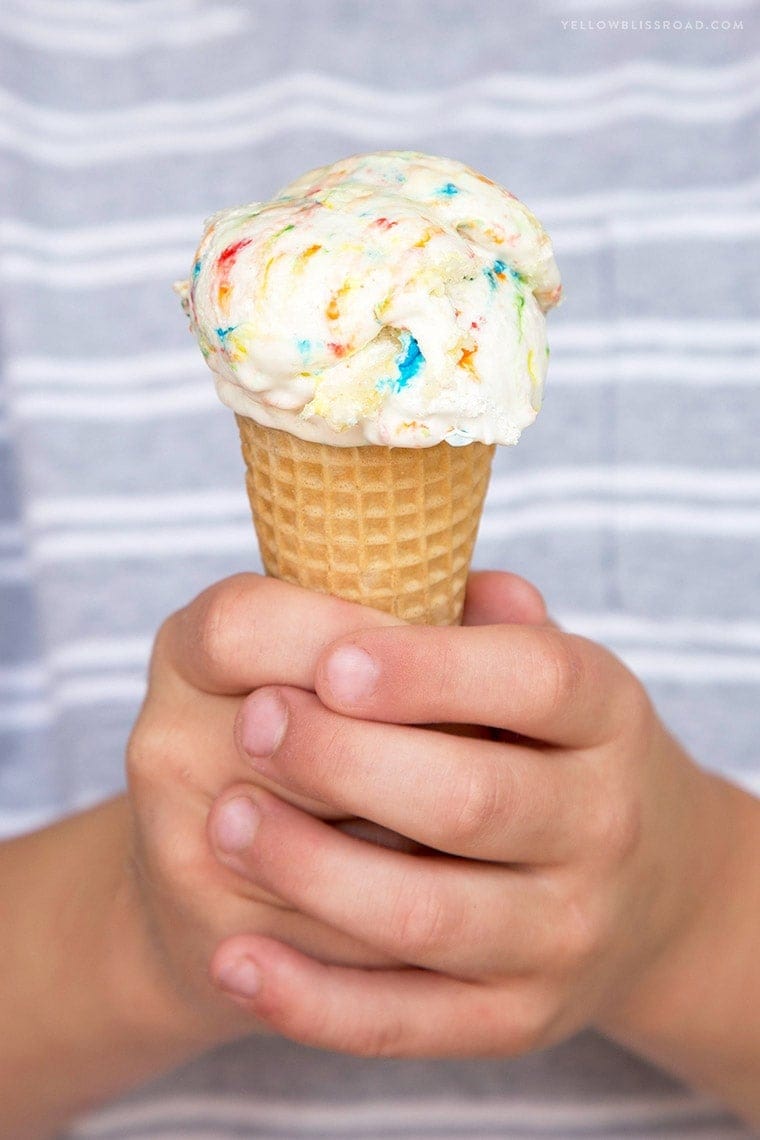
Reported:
(196, 269)
(222, 333)
(409, 362)
(304, 346)
(498, 269)
(448, 191)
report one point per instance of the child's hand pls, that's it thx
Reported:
(575, 853)
(111, 916)
(239, 634)
(185, 751)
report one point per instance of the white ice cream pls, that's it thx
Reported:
(391, 298)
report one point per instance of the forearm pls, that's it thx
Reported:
(697, 1012)
(83, 1012)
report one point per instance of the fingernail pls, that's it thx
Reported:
(351, 674)
(263, 724)
(240, 977)
(234, 825)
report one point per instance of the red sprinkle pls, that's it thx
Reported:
(228, 255)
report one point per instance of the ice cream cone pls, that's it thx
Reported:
(382, 302)
(391, 528)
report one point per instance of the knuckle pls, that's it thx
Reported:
(475, 813)
(161, 761)
(532, 1020)
(385, 1038)
(327, 1027)
(422, 925)
(181, 865)
(218, 618)
(631, 713)
(636, 708)
(628, 830)
(318, 754)
(442, 660)
(615, 826)
(161, 643)
(173, 874)
(218, 614)
(582, 936)
(562, 671)
(144, 751)
(333, 751)
(156, 749)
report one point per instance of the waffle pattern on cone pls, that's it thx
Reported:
(392, 528)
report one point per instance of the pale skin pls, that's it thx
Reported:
(109, 919)
(579, 869)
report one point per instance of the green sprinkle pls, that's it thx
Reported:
(519, 305)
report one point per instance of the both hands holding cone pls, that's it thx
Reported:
(578, 861)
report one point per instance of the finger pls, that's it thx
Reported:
(249, 630)
(534, 681)
(377, 1013)
(477, 798)
(494, 596)
(188, 740)
(185, 740)
(446, 914)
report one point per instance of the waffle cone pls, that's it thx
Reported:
(391, 528)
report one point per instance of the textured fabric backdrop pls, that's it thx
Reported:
(634, 503)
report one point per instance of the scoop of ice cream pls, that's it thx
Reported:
(391, 298)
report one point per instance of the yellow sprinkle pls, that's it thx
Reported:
(531, 368)
(265, 274)
(308, 253)
(236, 349)
(332, 310)
(466, 361)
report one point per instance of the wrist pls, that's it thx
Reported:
(138, 991)
(84, 1015)
(687, 1009)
